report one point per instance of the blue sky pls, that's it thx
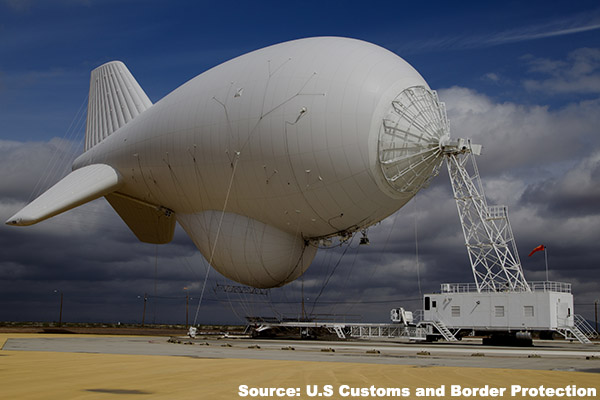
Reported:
(523, 78)
(49, 47)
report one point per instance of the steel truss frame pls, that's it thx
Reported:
(488, 235)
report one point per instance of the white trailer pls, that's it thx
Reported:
(547, 306)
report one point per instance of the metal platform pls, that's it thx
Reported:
(399, 332)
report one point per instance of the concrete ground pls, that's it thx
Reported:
(34, 366)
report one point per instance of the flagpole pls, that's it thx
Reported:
(546, 257)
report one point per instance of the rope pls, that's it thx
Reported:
(330, 275)
(54, 164)
(348, 275)
(212, 252)
(417, 248)
(378, 263)
(155, 278)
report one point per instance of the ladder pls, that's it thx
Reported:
(444, 331)
(585, 328)
(573, 330)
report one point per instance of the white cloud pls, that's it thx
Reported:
(518, 136)
(492, 77)
(570, 25)
(580, 73)
(553, 29)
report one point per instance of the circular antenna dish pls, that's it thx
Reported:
(410, 137)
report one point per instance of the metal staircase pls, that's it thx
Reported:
(581, 330)
(576, 334)
(443, 330)
(584, 326)
(339, 331)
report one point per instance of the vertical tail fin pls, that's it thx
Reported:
(115, 99)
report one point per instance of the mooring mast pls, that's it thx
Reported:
(488, 235)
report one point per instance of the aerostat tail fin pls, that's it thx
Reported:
(79, 187)
(115, 99)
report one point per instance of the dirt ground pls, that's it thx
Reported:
(105, 329)
(66, 375)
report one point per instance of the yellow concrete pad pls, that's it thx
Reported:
(49, 375)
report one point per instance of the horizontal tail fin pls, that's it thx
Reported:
(115, 99)
(79, 187)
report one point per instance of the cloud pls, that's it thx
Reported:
(86, 252)
(580, 73)
(557, 28)
(492, 76)
(569, 25)
(517, 136)
(31, 167)
(574, 194)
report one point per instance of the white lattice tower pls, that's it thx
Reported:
(487, 231)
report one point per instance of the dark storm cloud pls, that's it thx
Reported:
(87, 253)
(576, 193)
(22, 164)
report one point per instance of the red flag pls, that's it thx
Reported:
(541, 247)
